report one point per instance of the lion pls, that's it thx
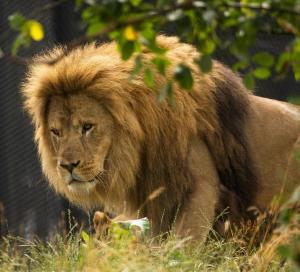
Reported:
(106, 140)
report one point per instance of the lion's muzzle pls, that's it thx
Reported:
(68, 165)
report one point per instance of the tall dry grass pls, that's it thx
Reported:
(271, 243)
(268, 245)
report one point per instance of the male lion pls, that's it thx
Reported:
(104, 139)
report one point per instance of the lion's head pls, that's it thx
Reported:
(81, 132)
(88, 134)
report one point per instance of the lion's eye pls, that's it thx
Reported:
(54, 131)
(86, 127)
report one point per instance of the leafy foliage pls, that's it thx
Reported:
(210, 25)
(184, 76)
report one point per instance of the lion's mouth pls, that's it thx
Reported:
(97, 178)
(72, 181)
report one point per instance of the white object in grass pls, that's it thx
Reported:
(143, 224)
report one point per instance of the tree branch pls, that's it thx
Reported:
(257, 6)
(150, 14)
(49, 6)
(185, 6)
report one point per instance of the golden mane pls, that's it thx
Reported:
(155, 138)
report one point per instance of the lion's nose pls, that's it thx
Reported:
(69, 166)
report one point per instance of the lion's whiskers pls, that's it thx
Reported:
(99, 177)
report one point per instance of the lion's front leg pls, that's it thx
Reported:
(198, 213)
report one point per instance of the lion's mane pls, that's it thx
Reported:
(152, 140)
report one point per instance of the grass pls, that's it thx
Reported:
(272, 244)
(123, 253)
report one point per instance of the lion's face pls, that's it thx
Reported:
(80, 132)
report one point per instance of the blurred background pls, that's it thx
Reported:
(28, 207)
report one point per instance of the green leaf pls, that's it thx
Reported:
(296, 69)
(208, 47)
(151, 44)
(90, 13)
(205, 63)
(161, 64)
(262, 73)
(20, 40)
(148, 77)
(16, 20)
(147, 31)
(240, 65)
(284, 59)
(148, 38)
(167, 90)
(115, 35)
(229, 22)
(85, 237)
(137, 67)
(249, 81)
(94, 28)
(135, 3)
(127, 49)
(264, 59)
(184, 76)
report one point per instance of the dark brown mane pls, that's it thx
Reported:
(236, 169)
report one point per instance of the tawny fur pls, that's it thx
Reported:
(153, 142)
